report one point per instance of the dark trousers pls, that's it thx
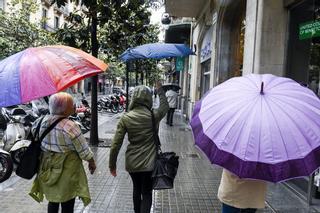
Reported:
(67, 207)
(170, 115)
(230, 209)
(142, 191)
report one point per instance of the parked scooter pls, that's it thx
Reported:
(108, 103)
(83, 114)
(76, 117)
(122, 102)
(15, 139)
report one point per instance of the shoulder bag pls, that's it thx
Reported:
(166, 164)
(30, 159)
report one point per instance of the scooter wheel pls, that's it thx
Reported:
(114, 109)
(16, 155)
(6, 167)
(121, 108)
(87, 124)
(99, 107)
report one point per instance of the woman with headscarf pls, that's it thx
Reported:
(61, 176)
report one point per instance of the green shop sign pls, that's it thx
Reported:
(179, 63)
(309, 30)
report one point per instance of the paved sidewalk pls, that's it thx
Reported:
(195, 188)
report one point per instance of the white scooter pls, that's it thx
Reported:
(15, 141)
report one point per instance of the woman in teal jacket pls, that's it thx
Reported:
(141, 151)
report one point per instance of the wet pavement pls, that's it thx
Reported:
(195, 188)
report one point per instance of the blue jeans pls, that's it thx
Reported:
(230, 209)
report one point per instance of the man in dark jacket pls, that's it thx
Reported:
(141, 151)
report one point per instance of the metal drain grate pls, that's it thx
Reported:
(190, 155)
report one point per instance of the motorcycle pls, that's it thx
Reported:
(15, 139)
(83, 114)
(108, 103)
(121, 99)
(77, 119)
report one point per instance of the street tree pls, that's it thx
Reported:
(97, 11)
(107, 21)
(16, 30)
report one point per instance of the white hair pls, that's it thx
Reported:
(60, 103)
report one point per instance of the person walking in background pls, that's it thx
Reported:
(241, 195)
(141, 150)
(172, 100)
(61, 176)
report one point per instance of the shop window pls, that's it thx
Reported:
(303, 62)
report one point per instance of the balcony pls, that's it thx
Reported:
(184, 8)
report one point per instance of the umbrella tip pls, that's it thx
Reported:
(261, 90)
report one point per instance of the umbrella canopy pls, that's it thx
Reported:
(156, 51)
(41, 71)
(167, 86)
(260, 127)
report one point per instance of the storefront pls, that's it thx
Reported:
(303, 64)
(230, 40)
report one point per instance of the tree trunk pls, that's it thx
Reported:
(94, 140)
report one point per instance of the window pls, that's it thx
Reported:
(44, 18)
(56, 22)
(205, 77)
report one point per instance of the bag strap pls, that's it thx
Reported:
(50, 128)
(36, 133)
(155, 130)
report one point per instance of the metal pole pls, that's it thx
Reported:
(310, 189)
(127, 86)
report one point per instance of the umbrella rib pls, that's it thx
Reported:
(278, 127)
(310, 118)
(285, 112)
(248, 111)
(306, 166)
(257, 97)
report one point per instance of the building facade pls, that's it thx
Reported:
(235, 38)
(51, 18)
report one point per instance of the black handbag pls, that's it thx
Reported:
(166, 164)
(30, 159)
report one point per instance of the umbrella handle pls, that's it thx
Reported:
(261, 90)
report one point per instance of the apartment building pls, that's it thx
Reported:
(51, 18)
(53, 15)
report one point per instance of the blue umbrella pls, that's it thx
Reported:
(156, 51)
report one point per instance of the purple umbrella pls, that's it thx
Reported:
(260, 127)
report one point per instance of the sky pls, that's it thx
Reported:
(156, 19)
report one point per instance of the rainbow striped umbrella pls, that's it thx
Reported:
(41, 71)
